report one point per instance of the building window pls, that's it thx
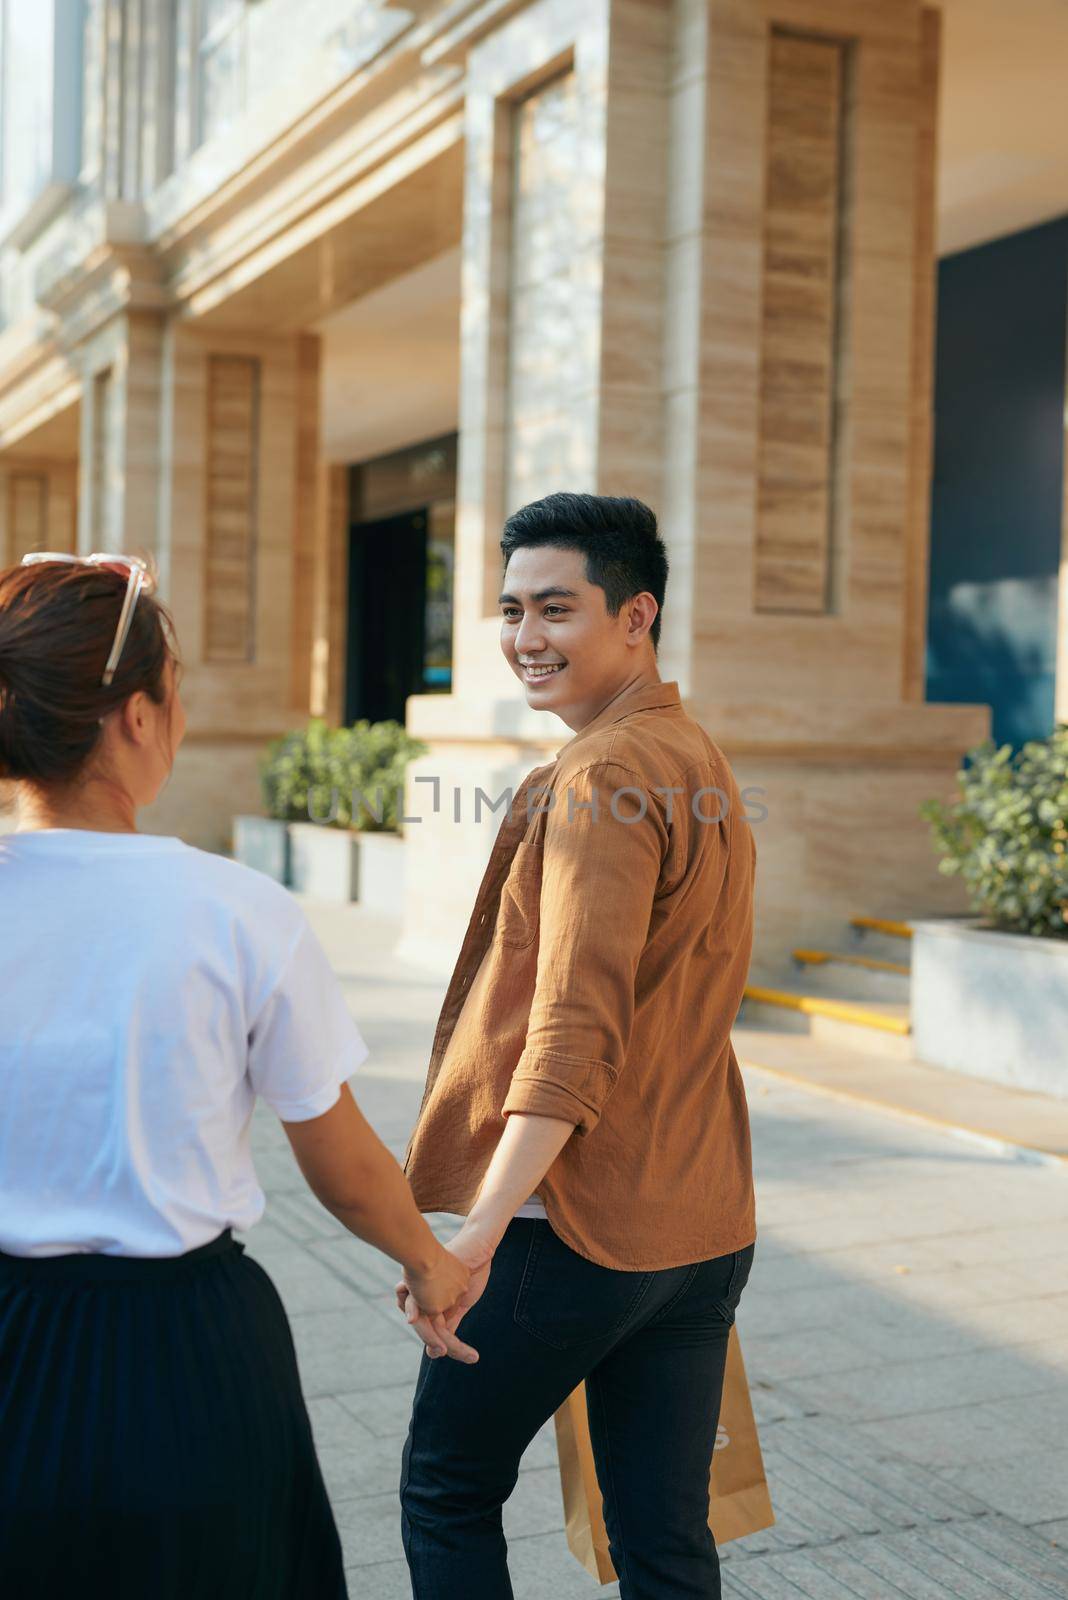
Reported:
(40, 111)
(207, 70)
(220, 66)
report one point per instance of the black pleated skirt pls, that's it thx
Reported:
(154, 1441)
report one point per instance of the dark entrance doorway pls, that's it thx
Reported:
(387, 616)
(400, 592)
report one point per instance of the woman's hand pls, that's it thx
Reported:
(473, 1253)
(438, 1286)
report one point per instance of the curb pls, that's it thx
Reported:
(1011, 1148)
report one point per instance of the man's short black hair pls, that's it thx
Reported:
(617, 535)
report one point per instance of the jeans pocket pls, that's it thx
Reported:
(712, 1296)
(743, 1262)
(566, 1301)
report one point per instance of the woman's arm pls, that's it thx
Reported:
(351, 1172)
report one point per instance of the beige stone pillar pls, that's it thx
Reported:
(329, 599)
(236, 524)
(921, 437)
(306, 520)
(119, 456)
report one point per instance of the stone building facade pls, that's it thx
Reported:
(682, 249)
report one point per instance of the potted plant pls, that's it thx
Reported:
(990, 992)
(374, 757)
(263, 842)
(340, 791)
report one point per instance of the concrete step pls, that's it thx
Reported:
(881, 938)
(880, 1027)
(856, 977)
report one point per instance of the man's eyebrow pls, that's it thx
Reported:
(539, 594)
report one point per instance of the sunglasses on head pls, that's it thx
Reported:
(137, 576)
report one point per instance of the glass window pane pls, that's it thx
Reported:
(221, 88)
(216, 13)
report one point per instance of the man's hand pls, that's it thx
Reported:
(437, 1329)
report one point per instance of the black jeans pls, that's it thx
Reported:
(651, 1347)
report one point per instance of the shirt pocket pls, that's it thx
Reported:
(519, 915)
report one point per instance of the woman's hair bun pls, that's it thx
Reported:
(57, 624)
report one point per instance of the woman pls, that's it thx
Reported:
(153, 1436)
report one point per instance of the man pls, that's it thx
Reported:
(584, 1109)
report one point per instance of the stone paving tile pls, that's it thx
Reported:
(824, 1454)
(386, 1580)
(809, 1353)
(301, 1216)
(1031, 1487)
(980, 1559)
(904, 1388)
(306, 1286)
(543, 1569)
(540, 1570)
(383, 1411)
(370, 1527)
(358, 1264)
(1045, 1416)
(536, 1505)
(334, 1360)
(954, 1436)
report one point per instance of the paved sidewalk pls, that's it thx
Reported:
(904, 1328)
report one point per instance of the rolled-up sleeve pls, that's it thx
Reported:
(604, 844)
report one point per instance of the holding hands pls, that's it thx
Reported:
(434, 1301)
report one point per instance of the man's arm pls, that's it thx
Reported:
(603, 853)
(528, 1147)
(599, 877)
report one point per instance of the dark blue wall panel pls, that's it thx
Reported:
(997, 492)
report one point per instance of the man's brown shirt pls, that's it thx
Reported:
(598, 981)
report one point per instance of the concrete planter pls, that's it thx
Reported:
(991, 1004)
(382, 873)
(324, 861)
(263, 843)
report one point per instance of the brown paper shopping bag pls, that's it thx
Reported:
(739, 1502)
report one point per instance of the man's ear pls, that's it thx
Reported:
(643, 610)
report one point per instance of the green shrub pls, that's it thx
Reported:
(320, 774)
(285, 772)
(1006, 834)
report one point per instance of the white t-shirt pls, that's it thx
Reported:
(149, 992)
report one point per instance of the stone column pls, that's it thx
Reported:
(119, 488)
(238, 449)
(306, 523)
(329, 597)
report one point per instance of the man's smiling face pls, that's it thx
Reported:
(570, 655)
